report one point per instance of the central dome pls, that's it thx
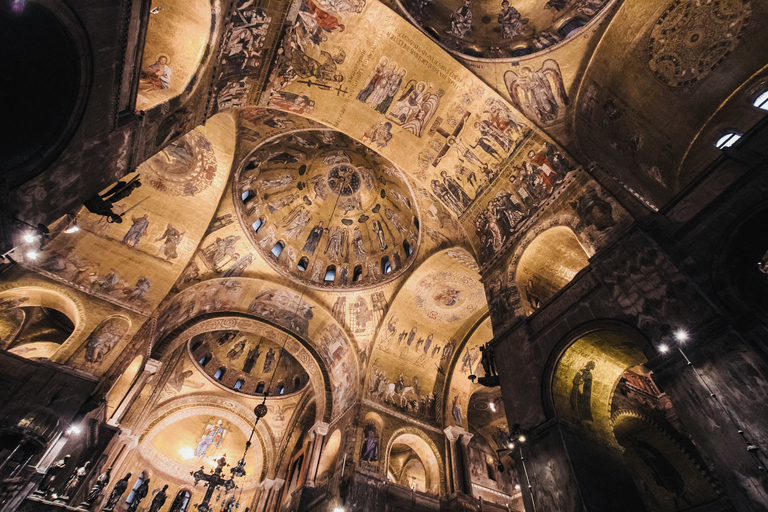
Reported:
(327, 211)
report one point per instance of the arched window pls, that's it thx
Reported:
(358, 273)
(571, 27)
(219, 373)
(386, 268)
(727, 140)
(330, 274)
(205, 360)
(247, 196)
(138, 483)
(280, 388)
(277, 249)
(260, 387)
(296, 383)
(761, 101)
(257, 225)
(196, 345)
(251, 165)
(181, 502)
(239, 383)
(303, 264)
(407, 248)
(416, 223)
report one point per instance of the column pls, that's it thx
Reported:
(150, 368)
(466, 437)
(318, 433)
(272, 502)
(266, 487)
(452, 434)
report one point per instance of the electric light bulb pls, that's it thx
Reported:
(492, 406)
(517, 487)
(32, 255)
(521, 439)
(663, 349)
(511, 445)
(29, 238)
(681, 335)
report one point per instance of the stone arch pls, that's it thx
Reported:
(427, 451)
(297, 347)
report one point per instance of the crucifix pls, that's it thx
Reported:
(213, 481)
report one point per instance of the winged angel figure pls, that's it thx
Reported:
(538, 93)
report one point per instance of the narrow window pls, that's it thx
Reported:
(416, 223)
(571, 27)
(761, 101)
(407, 248)
(303, 264)
(139, 481)
(247, 195)
(330, 274)
(386, 268)
(219, 373)
(727, 140)
(257, 225)
(280, 388)
(205, 360)
(277, 249)
(260, 387)
(196, 345)
(239, 383)
(296, 383)
(358, 274)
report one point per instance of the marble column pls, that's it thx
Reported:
(150, 368)
(266, 488)
(466, 437)
(452, 434)
(272, 502)
(318, 433)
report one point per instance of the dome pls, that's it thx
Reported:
(498, 29)
(327, 211)
(38, 424)
(245, 363)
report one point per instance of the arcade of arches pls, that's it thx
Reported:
(384, 255)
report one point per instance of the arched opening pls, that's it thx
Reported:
(412, 463)
(386, 267)
(407, 248)
(177, 36)
(205, 360)
(180, 502)
(239, 384)
(746, 266)
(219, 373)
(727, 140)
(330, 274)
(280, 388)
(247, 196)
(123, 384)
(327, 464)
(257, 225)
(297, 383)
(277, 249)
(140, 480)
(303, 263)
(761, 101)
(357, 274)
(260, 388)
(549, 263)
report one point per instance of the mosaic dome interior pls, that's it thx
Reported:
(327, 211)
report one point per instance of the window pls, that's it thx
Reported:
(277, 249)
(260, 387)
(407, 248)
(257, 225)
(330, 274)
(239, 383)
(571, 28)
(416, 223)
(727, 140)
(181, 502)
(251, 165)
(280, 388)
(296, 383)
(358, 274)
(139, 481)
(196, 345)
(303, 264)
(386, 268)
(205, 360)
(219, 373)
(247, 195)
(761, 101)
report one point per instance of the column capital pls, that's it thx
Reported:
(320, 428)
(453, 432)
(278, 483)
(267, 483)
(466, 437)
(152, 366)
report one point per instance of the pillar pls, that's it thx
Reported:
(150, 368)
(452, 434)
(464, 440)
(317, 434)
(266, 488)
(272, 502)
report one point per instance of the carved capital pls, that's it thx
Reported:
(466, 437)
(152, 366)
(453, 432)
(278, 483)
(320, 428)
(267, 484)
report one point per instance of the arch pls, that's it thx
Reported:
(425, 450)
(120, 389)
(582, 373)
(180, 34)
(327, 464)
(549, 262)
(181, 502)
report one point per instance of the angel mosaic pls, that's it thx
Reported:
(540, 94)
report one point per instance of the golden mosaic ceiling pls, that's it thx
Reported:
(327, 211)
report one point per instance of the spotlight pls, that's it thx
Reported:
(663, 349)
(521, 439)
(517, 487)
(681, 335)
(511, 445)
(338, 509)
(32, 255)
(492, 405)
(72, 229)
(74, 429)
(29, 238)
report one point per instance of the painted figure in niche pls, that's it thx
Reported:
(221, 251)
(379, 134)
(281, 202)
(138, 495)
(236, 351)
(213, 435)
(343, 276)
(277, 183)
(136, 231)
(226, 338)
(593, 211)
(159, 500)
(171, 239)
(415, 107)
(104, 338)
(461, 21)
(394, 218)
(538, 93)
(370, 451)
(251, 358)
(317, 271)
(337, 245)
(456, 410)
(296, 222)
(140, 290)
(510, 20)
(379, 231)
(358, 245)
(269, 360)
(581, 393)
(359, 315)
(73, 481)
(156, 76)
(313, 239)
